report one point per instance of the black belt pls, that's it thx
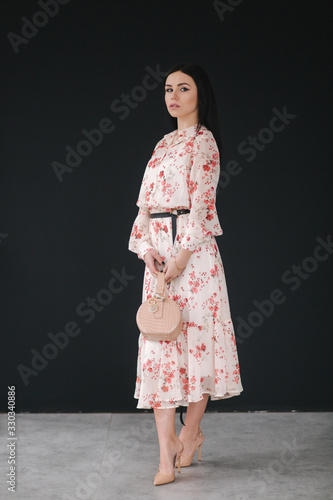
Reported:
(174, 218)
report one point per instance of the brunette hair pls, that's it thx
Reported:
(207, 111)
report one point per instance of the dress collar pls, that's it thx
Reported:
(184, 134)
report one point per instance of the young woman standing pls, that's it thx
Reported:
(174, 233)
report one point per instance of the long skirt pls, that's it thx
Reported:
(203, 359)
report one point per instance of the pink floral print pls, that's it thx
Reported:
(183, 173)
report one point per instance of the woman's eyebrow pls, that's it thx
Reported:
(168, 84)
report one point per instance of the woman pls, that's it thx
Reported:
(182, 176)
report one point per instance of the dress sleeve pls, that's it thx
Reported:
(140, 242)
(203, 221)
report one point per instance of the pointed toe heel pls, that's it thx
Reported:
(165, 478)
(162, 478)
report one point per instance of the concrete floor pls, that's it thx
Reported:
(245, 456)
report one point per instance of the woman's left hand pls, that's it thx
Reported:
(170, 270)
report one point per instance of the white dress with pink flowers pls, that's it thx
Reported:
(183, 172)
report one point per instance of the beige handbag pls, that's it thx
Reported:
(159, 318)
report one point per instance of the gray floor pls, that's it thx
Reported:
(245, 456)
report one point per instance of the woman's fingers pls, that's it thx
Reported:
(170, 271)
(150, 263)
(150, 258)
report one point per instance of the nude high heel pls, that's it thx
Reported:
(164, 478)
(187, 461)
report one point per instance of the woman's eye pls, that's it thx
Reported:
(182, 88)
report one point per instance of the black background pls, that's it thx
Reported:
(60, 241)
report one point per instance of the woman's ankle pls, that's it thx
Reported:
(168, 449)
(189, 432)
(168, 441)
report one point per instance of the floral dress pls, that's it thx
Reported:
(183, 172)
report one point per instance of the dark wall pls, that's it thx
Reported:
(68, 206)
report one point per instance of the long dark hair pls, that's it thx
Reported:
(207, 112)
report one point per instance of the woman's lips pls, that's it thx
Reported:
(174, 106)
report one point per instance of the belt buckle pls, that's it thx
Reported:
(172, 211)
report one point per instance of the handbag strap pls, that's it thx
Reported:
(161, 284)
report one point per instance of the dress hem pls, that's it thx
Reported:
(213, 397)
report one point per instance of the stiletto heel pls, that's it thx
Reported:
(199, 452)
(163, 477)
(179, 452)
(186, 462)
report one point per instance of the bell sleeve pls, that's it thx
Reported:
(203, 221)
(140, 242)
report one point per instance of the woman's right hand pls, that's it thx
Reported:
(150, 258)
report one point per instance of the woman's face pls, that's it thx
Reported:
(181, 97)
